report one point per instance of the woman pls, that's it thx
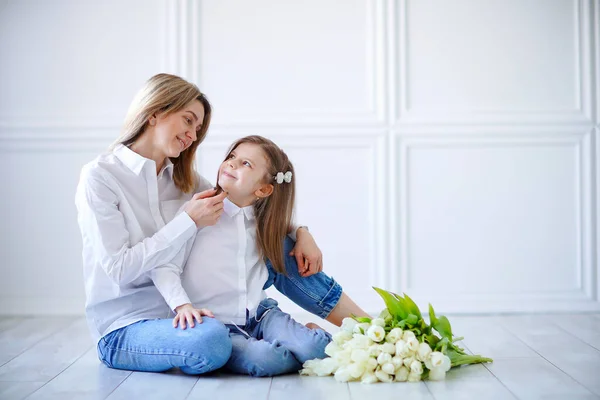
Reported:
(126, 201)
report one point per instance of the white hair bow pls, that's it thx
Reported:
(281, 177)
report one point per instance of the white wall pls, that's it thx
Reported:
(444, 149)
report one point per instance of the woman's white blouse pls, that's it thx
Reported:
(126, 213)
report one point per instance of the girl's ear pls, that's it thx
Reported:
(264, 191)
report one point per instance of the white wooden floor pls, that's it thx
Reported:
(536, 357)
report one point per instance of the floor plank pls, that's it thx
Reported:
(27, 332)
(536, 378)
(227, 386)
(50, 356)
(87, 378)
(9, 322)
(469, 382)
(487, 337)
(584, 327)
(172, 385)
(571, 355)
(18, 390)
(390, 391)
(297, 387)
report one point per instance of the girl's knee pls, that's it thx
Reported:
(314, 346)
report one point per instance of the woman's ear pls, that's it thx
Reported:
(152, 120)
(264, 191)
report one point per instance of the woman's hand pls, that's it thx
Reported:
(205, 208)
(307, 253)
(187, 313)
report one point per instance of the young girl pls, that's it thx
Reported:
(226, 272)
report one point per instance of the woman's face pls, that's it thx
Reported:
(177, 131)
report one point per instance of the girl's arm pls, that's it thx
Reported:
(104, 229)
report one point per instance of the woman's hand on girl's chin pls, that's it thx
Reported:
(187, 313)
(205, 208)
(307, 253)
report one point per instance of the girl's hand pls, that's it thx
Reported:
(187, 313)
(205, 208)
(307, 253)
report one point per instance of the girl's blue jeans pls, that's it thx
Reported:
(272, 343)
(154, 345)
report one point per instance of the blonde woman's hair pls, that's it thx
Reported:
(166, 94)
(273, 213)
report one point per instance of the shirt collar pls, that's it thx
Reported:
(232, 210)
(136, 162)
(167, 167)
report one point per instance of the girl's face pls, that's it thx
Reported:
(177, 131)
(244, 175)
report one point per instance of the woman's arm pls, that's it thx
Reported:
(307, 253)
(104, 229)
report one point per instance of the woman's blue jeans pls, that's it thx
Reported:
(154, 345)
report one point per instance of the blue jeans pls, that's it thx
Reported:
(154, 345)
(272, 343)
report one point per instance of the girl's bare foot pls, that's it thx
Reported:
(311, 325)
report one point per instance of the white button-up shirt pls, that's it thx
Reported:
(126, 213)
(224, 271)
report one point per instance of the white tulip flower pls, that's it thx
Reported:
(412, 377)
(359, 341)
(384, 358)
(407, 335)
(348, 324)
(408, 360)
(356, 370)
(372, 364)
(342, 374)
(413, 345)
(394, 335)
(368, 377)
(436, 359)
(332, 348)
(416, 367)
(447, 364)
(361, 328)
(437, 374)
(401, 349)
(359, 356)
(397, 361)
(341, 337)
(382, 376)
(388, 368)
(388, 348)
(376, 333)
(378, 322)
(423, 352)
(308, 368)
(375, 350)
(401, 374)
(343, 356)
(327, 366)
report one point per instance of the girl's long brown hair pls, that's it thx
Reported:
(273, 213)
(164, 93)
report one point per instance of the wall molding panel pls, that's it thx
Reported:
(580, 114)
(582, 297)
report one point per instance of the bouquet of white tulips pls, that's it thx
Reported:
(397, 346)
